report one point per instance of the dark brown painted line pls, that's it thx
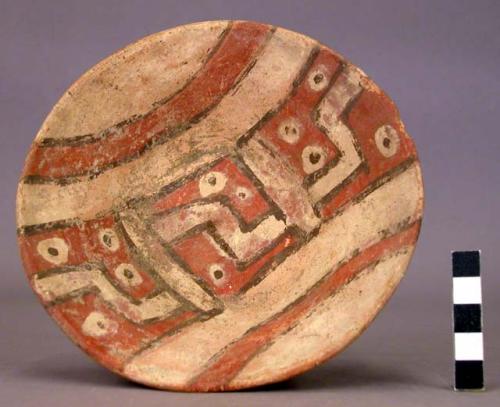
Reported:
(160, 138)
(196, 230)
(220, 198)
(212, 231)
(274, 261)
(29, 230)
(315, 114)
(93, 138)
(267, 147)
(257, 183)
(374, 185)
(225, 202)
(317, 207)
(259, 275)
(243, 140)
(179, 182)
(187, 269)
(145, 263)
(210, 228)
(94, 289)
(170, 253)
(243, 225)
(310, 178)
(42, 180)
(235, 159)
(136, 202)
(226, 364)
(201, 317)
(344, 118)
(291, 231)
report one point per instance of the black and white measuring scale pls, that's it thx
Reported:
(468, 322)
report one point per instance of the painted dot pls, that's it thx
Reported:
(54, 250)
(317, 79)
(290, 130)
(212, 183)
(243, 193)
(128, 275)
(387, 140)
(313, 158)
(217, 273)
(98, 325)
(109, 239)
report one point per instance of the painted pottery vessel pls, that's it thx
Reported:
(218, 206)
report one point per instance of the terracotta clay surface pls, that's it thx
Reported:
(218, 206)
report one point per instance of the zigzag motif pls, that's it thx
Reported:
(66, 283)
(224, 209)
(319, 188)
(329, 118)
(242, 245)
(317, 149)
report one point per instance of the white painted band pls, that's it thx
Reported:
(168, 360)
(469, 346)
(467, 290)
(164, 163)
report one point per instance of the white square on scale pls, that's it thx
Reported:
(469, 346)
(467, 290)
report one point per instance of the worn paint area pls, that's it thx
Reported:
(219, 206)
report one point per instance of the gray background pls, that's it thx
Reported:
(440, 62)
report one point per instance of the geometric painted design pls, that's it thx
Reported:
(239, 198)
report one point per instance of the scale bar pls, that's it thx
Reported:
(467, 321)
